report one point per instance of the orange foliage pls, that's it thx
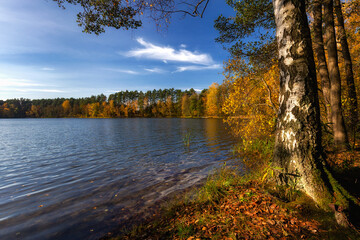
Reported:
(35, 111)
(250, 107)
(185, 105)
(212, 103)
(169, 104)
(66, 106)
(351, 11)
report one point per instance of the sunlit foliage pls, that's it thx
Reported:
(185, 105)
(250, 107)
(351, 11)
(156, 103)
(66, 106)
(212, 100)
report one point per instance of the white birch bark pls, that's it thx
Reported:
(298, 134)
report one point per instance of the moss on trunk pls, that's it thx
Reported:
(298, 150)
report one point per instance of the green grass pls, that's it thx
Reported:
(218, 185)
(184, 231)
(226, 206)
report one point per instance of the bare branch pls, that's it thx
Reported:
(273, 106)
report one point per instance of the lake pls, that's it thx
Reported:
(81, 178)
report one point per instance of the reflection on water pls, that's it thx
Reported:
(80, 178)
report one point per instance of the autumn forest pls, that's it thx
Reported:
(156, 103)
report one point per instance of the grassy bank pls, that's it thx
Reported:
(230, 206)
(234, 206)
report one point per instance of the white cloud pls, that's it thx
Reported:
(48, 69)
(197, 68)
(155, 70)
(182, 45)
(13, 82)
(151, 51)
(112, 91)
(121, 71)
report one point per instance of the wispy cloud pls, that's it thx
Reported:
(155, 70)
(25, 86)
(197, 68)
(121, 70)
(13, 82)
(152, 51)
(48, 69)
(39, 90)
(112, 91)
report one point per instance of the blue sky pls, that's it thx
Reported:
(44, 54)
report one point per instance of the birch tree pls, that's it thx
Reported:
(298, 134)
(298, 151)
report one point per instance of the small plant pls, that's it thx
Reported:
(287, 193)
(255, 153)
(186, 139)
(245, 197)
(184, 231)
(218, 184)
(269, 171)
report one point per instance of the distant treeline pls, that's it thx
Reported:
(156, 103)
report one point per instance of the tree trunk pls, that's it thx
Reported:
(320, 54)
(298, 151)
(348, 67)
(340, 134)
(298, 135)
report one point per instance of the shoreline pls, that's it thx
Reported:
(113, 118)
(238, 208)
(153, 211)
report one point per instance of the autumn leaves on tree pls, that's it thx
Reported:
(124, 104)
(253, 91)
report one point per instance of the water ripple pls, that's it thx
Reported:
(61, 178)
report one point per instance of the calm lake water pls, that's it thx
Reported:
(81, 178)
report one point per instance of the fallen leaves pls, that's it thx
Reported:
(248, 212)
(258, 217)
